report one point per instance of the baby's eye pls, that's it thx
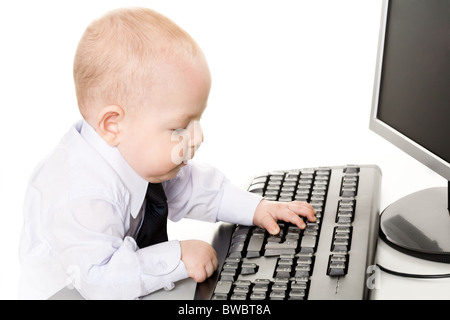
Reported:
(179, 129)
(180, 125)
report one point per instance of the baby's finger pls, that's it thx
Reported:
(289, 215)
(303, 209)
(270, 224)
(215, 262)
(209, 269)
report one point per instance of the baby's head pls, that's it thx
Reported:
(143, 83)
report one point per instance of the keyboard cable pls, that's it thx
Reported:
(415, 276)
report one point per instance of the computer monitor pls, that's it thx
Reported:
(411, 109)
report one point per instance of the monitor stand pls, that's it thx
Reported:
(419, 224)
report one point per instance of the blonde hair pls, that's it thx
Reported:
(113, 62)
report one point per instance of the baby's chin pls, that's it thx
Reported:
(169, 175)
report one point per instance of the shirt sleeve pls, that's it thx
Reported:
(89, 238)
(202, 192)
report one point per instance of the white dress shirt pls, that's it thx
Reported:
(82, 212)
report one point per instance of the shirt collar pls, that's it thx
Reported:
(136, 185)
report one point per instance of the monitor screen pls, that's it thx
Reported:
(413, 85)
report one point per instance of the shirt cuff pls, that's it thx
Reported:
(238, 206)
(161, 265)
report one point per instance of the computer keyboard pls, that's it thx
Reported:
(329, 259)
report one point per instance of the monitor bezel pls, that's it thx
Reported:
(418, 152)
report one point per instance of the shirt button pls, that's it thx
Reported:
(169, 286)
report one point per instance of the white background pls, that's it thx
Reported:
(292, 88)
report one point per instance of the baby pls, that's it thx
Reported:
(142, 85)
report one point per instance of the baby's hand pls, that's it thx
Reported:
(199, 258)
(269, 212)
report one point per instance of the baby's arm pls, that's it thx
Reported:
(199, 258)
(269, 212)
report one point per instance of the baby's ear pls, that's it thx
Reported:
(108, 123)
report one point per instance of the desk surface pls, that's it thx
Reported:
(395, 287)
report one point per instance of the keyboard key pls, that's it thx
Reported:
(277, 295)
(228, 275)
(351, 169)
(285, 261)
(338, 258)
(337, 265)
(348, 192)
(303, 270)
(249, 268)
(279, 287)
(297, 294)
(258, 296)
(336, 269)
(297, 285)
(305, 257)
(341, 245)
(223, 287)
(238, 296)
(241, 230)
(236, 250)
(255, 246)
(257, 188)
(308, 242)
(260, 288)
(230, 265)
(281, 280)
(283, 271)
(276, 249)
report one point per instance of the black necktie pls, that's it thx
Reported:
(154, 227)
